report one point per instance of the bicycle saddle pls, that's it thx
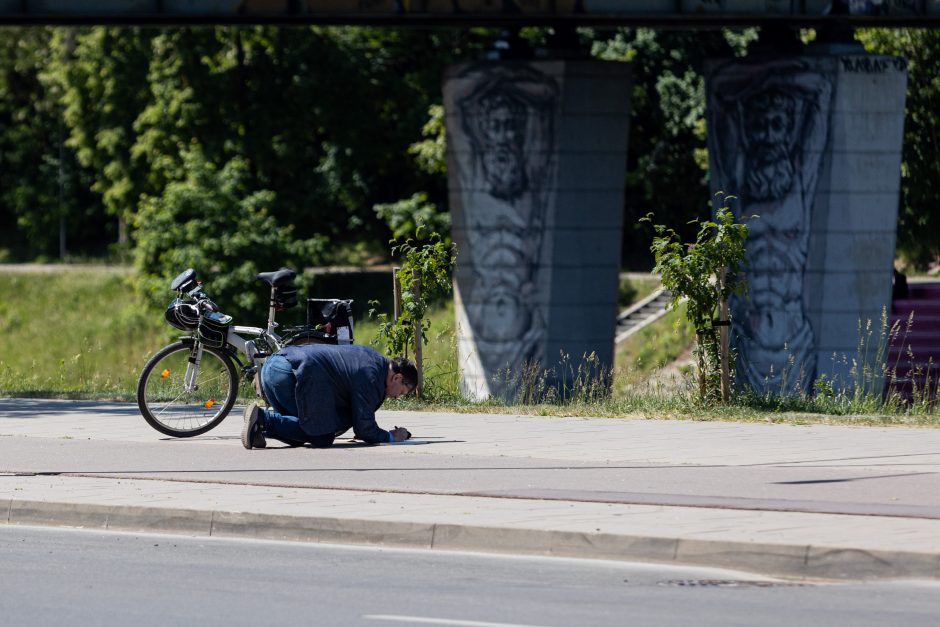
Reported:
(278, 277)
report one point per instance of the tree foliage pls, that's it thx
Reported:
(321, 117)
(212, 222)
(918, 237)
(666, 158)
(703, 274)
(40, 184)
(424, 274)
(414, 215)
(102, 74)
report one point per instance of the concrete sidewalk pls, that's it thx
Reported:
(829, 502)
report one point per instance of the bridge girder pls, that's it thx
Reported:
(465, 13)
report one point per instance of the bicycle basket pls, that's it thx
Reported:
(213, 329)
(285, 296)
(183, 316)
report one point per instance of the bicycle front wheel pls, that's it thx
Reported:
(181, 398)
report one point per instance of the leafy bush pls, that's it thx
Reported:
(424, 274)
(207, 222)
(406, 216)
(704, 274)
(429, 267)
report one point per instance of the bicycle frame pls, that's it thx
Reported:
(192, 369)
(173, 395)
(269, 335)
(237, 343)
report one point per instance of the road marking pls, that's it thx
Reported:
(440, 621)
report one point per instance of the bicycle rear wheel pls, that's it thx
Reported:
(171, 406)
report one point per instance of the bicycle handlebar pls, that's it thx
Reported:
(203, 303)
(207, 305)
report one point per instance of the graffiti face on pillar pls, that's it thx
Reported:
(770, 126)
(768, 133)
(500, 134)
(507, 118)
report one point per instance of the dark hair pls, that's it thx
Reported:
(407, 370)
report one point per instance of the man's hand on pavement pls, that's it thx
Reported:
(400, 434)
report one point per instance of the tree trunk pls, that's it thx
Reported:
(122, 230)
(702, 349)
(724, 330)
(63, 248)
(419, 357)
(396, 294)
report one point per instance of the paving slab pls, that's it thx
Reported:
(832, 502)
(751, 466)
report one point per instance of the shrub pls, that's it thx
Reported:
(703, 273)
(426, 268)
(209, 222)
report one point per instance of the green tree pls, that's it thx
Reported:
(211, 222)
(408, 217)
(918, 236)
(103, 76)
(666, 158)
(704, 274)
(42, 189)
(321, 116)
(423, 275)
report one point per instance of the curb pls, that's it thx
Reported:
(782, 560)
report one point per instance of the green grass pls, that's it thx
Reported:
(83, 333)
(645, 353)
(634, 289)
(77, 333)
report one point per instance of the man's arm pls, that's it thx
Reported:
(367, 395)
(365, 427)
(368, 392)
(367, 430)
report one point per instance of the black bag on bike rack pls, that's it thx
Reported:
(213, 329)
(285, 296)
(332, 316)
(329, 321)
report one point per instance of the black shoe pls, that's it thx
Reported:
(253, 429)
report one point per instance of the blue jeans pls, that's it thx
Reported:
(281, 421)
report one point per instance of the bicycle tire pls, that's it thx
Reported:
(165, 404)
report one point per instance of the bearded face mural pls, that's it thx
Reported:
(768, 130)
(504, 148)
(498, 136)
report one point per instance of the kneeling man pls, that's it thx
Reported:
(319, 391)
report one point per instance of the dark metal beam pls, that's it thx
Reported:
(461, 13)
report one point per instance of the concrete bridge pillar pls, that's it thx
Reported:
(812, 145)
(536, 165)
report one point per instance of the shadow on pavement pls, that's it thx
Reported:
(35, 408)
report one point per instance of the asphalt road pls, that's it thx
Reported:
(56, 576)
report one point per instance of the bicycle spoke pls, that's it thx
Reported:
(182, 410)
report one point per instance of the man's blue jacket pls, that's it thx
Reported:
(339, 387)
